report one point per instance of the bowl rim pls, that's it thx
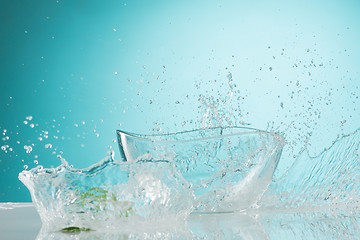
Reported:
(245, 131)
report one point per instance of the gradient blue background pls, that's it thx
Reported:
(82, 68)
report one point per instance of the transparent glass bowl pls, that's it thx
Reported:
(228, 169)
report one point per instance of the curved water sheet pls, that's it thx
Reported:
(108, 196)
(228, 168)
(319, 197)
(329, 181)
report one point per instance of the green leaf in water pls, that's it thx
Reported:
(75, 230)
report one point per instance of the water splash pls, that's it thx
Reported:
(108, 194)
(327, 182)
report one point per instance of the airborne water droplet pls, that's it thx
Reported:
(28, 149)
(48, 145)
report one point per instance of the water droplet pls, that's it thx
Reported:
(83, 122)
(177, 102)
(270, 68)
(97, 135)
(40, 138)
(36, 162)
(25, 167)
(28, 149)
(48, 145)
(76, 125)
(25, 122)
(32, 125)
(116, 73)
(114, 140)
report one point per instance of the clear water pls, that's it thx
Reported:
(109, 195)
(285, 67)
(316, 199)
(152, 197)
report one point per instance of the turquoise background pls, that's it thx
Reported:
(82, 68)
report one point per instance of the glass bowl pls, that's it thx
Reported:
(228, 168)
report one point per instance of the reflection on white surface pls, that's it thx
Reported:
(21, 221)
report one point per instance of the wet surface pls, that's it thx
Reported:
(23, 222)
